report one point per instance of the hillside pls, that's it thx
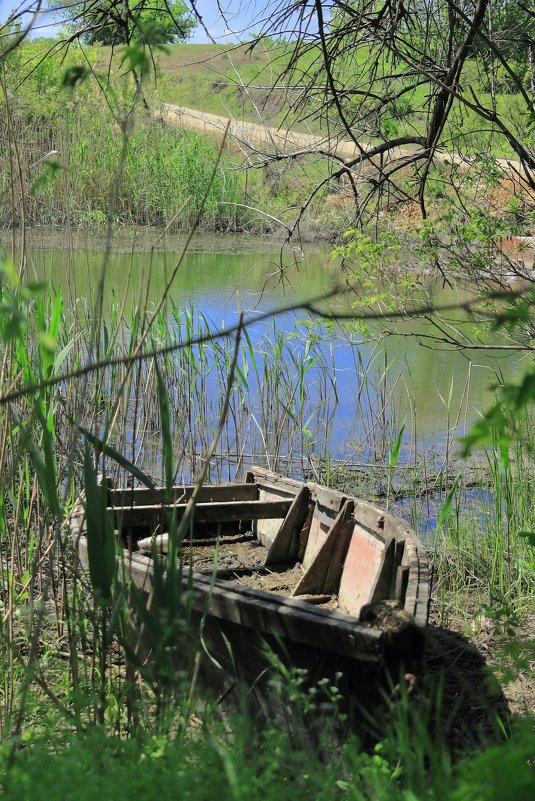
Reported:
(256, 85)
(299, 169)
(225, 79)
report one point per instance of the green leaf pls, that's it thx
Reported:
(45, 476)
(242, 377)
(64, 352)
(447, 505)
(491, 428)
(526, 391)
(165, 420)
(13, 327)
(100, 535)
(250, 349)
(393, 454)
(49, 170)
(136, 59)
(35, 287)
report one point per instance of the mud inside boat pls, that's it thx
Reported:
(239, 558)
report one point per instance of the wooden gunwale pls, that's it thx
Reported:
(141, 496)
(264, 612)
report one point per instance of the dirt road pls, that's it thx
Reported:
(251, 137)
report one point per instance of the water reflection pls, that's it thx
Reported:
(377, 383)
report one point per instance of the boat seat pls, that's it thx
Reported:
(227, 511)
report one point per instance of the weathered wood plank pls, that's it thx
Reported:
(362, 565)
(265, 478)
(271, 614)
(383, 581)
(330, 499)
(416, 600)
(313, 598)
(323, 573)
(141, 496)
(346, 525)
(285, 546)
(271, 488)
(305, 532)
(204, 512)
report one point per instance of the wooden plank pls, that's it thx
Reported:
(305, 532)
(381, 523)
(313, 598)
(330, 499)
(372, 518)
(342, 541)
(204, 512)
(381, 588)
(327, 505)
(272, 487)
(361, 568)
(141, 496)
(402, 578)
(323, 573)
(416, 597)
(325, 515)
(396, 585)
(276, 615)
(266, 530)
(285, 546)
(230, 573)
(288, 486)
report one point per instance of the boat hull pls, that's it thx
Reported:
(255, 646)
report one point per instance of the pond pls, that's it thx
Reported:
(353, 393)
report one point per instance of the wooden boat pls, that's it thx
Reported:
(329, 584)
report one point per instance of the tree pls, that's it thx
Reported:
(401, 79)
(113, 22)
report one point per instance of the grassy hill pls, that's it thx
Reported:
(229, 80)
(251, 84)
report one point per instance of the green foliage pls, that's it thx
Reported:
(500, 773)
(74, 75)
(409, 764)
(150, 172)
(208, 765)
(49, 171)
(164, 170)
(513, 30)
(113, 22)
(502, 422)
(255, 763)
(100, 534)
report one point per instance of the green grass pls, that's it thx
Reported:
(161, 172)
(165, 171)
(268, 764)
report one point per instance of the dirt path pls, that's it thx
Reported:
(250, 137)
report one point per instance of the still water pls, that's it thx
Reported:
(435, 392)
